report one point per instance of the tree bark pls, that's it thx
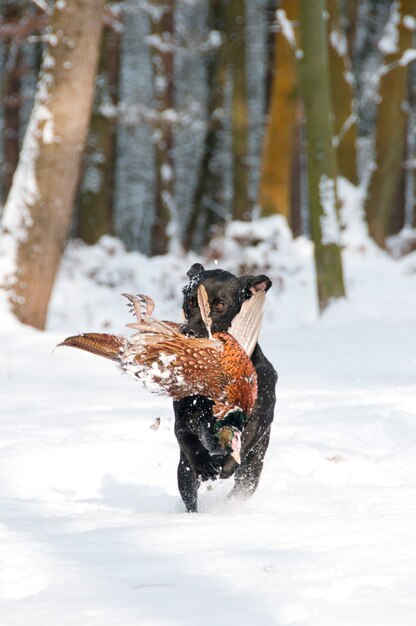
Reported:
(162, 61)
(38, 211)
(11, 104)
(95, 207)
(345, 126)
(208, 198)
(322, 170)
(390, 138)
(280, 135)
(372, 16)
(410, 177)
(236, 48)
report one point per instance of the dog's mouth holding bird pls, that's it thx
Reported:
(168, 362)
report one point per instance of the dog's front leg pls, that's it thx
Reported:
(188, 413)
(188, 484)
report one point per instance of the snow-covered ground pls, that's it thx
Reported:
(92, 529)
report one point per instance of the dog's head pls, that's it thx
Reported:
(226, 294)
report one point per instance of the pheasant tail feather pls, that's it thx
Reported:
(246, 325)
(204, 308)
(107, 346)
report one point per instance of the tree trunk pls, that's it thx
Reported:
(410, 178)
(298, 177)
(162, 61)
(280, 135)
(11, 105)
(390, 138)
(236, 48)
(372, 17)
(95, 211)
(345, 126)
(208, 198)
(38, 211)
(315, 88)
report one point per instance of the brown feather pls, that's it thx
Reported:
(246, 325)
(204, 308)
(102, 344)
(169, 363)
(194, 364)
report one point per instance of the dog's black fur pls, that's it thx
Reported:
(200, 458)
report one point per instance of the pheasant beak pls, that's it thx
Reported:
(235, 454)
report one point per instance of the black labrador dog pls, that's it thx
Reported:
(200, 458)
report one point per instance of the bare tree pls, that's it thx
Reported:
(236, 49)
(162, 47)
(372, 17)
(321, 156)
(381, 203)
(38, 211)
(282, 120)
(410, 174)
(342, 92)
(11, 96)
(208, 199)
(96, 197)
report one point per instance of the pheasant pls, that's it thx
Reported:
(170, 363)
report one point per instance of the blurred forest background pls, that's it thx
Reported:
(159, 121)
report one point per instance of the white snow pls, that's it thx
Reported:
(93, 530)
(288, 32)
(328, 220)
(166, 172)
(409, 22)
(388, 43)
(339, 42)
(214, 39)
(286, 27)
(408, 56)
(17, 217)
(43, 5)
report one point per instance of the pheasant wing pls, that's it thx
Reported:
(173, 364)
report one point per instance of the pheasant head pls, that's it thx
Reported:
(229, 438)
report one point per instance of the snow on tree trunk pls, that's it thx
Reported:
(12, 97)
(161, 44)
(343, 100)
(208, 201)
(371, 21)
(37, 214)
(381, 204)
(410, 178)
(134, 189)
(315, 89)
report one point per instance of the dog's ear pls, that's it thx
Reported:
(195, 270)
(251, 284)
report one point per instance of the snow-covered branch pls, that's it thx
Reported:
(131, 114)
(286, 28)
(43, 6)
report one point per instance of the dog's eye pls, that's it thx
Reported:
(219, 306)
